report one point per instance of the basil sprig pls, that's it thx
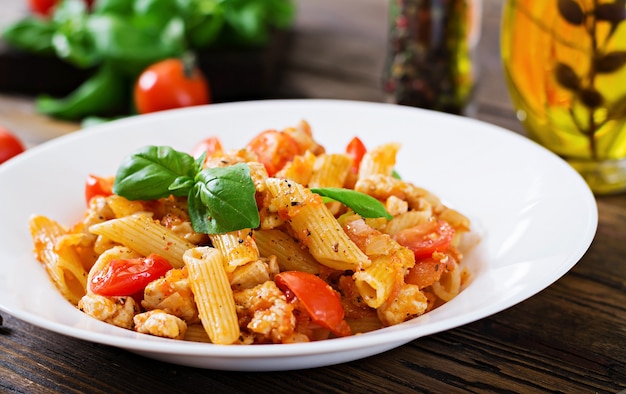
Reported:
(361, 203)
(220, 200)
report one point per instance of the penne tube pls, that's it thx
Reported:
(330, 170)
(289, 255)
(315, 226)
(211, 289)
(60, 259)
(250, 275)
(144, 235)
(237, 247)
(407, 220)
(379, 161)
(449, 285)
(376, 282)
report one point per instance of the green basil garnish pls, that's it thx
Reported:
(220, 200)
(361, 203)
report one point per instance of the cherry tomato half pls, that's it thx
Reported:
(168, 84)
(427, 271)
(356, 150)
(10, 145)
(274, 149)
(209, 146)
(321, 302)
(426, 238)
(97, 186)
(126, 277)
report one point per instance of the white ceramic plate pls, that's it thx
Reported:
(535, 215)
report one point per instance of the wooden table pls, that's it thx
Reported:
(570, 338)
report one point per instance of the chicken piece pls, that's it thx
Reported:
(161, 324)
(118, 311)
(171, 212)
(264, 311)
(173, 295)
(382, 187)
(410, 302)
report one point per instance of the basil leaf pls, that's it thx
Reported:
(154, 172)
(361, 203)
(223, 200)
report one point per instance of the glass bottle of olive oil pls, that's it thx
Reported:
(565, 65)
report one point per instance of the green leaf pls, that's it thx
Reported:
(102, 94)
(361, 203)
(223, 200)
(154, 172)
(31, 35)
(133, 43)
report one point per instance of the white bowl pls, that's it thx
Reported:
(535, 215)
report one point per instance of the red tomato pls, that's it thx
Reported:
(274, 149)
(168, 84)
(97, 186)
(425, 272)
(356, 149)
(10, 145)
(426, 238)
(42, 7)
(321, 302)
(209, 145)
(126, 277)
(46, 7)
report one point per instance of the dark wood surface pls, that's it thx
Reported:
(571, 337)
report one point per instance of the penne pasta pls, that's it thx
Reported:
(377, 282)
(61, 260)
(315, 226)
(330, 170)
(214, 297)
(289, 254)
(142, 234)
(250, 275)
(302, 270)
(379, 161)
(238, 248)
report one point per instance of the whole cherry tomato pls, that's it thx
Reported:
(170, 83)
(10, 145)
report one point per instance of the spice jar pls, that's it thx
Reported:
(430, 60)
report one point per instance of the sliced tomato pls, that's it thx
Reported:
(127, 277)
(356, 150)
(320, 300)
(209, 146)
(426, 238)
(274, 149)
(97, 186)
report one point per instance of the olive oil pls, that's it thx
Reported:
(565, 64)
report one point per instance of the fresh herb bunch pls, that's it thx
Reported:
(120, 38)
(219, 200)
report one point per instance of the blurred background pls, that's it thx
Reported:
(329, 49)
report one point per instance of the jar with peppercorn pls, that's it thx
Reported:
(430, 60)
